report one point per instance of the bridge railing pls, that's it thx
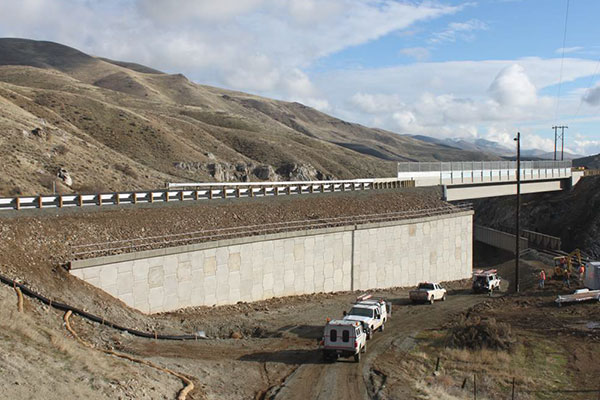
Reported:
(457, 172)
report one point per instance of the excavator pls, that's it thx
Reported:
(564, 264)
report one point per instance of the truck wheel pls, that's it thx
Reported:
(431, 300)
(444, 298)
(357, 357)
(381, 328)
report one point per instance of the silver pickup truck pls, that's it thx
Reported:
(427, 293)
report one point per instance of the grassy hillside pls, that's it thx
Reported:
(116, 126)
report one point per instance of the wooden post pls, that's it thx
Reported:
(250, 191)
(210, 195)
(224, 192)
(134, 197)
(40, 202)
(196, 195)
(60, 201)
(99, 199)
(513, 389)
(237, 192)
(288, 190)
(264, 190)
(166, 196)
(322, 188)
(181, 195)
(311, 188)
(151, 197)
(117, 199)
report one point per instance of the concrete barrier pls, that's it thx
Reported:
(378, 255)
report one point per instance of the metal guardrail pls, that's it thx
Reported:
(196, 191)
(479, 165)
(153, 242)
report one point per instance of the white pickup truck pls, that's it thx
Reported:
(371, 313)
(343, 339)
(427, 292)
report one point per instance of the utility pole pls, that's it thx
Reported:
(560, 136)
(518, 235)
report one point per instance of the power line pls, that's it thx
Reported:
(562, 61)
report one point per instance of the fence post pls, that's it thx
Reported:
(60, 201)
(513, 389)
(40, 202)
(117, 198)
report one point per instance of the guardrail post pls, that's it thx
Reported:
(250, 191)
(196, 195)
(134, 198)
(237, 192)
(210, 194)
(99, 199)
(40, 202)
(117, 199)
(224, 192)
(151, 197)
(362, 185)
(322, 188)
(311, 189)
(264, 190)
(17, 203)
(166, 196)
(181, 196)
(60, 201)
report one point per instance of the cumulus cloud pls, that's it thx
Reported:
(592, 97)
(512, 87)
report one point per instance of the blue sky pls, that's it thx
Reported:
(443, 68)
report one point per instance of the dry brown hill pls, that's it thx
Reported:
(117, 126)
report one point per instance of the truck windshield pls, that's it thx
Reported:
(426, 286)
(361, 312)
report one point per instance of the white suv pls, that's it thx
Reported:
(343, 339)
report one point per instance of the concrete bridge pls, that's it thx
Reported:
(464, 180)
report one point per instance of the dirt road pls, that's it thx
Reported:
(348, 380)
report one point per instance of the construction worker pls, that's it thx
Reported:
(542, 278)
(581, 273)
(566, 277)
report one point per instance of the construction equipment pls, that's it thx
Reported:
(564, 264)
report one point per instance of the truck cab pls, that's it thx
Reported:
(343, 338)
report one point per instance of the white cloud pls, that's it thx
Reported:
(567, 50)
(592, 97)
(418, 53)
(512, 87)
(459, 30)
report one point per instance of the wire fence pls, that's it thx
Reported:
(89, 250)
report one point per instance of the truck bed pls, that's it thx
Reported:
(576, 297)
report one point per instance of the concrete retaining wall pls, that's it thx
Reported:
(395, 253)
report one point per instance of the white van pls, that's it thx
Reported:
(343, 339)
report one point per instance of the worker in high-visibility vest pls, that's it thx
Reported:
(581, 273)
(542, 278)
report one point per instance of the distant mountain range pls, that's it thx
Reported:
(491, 147)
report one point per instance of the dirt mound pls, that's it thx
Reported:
(478, 333)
